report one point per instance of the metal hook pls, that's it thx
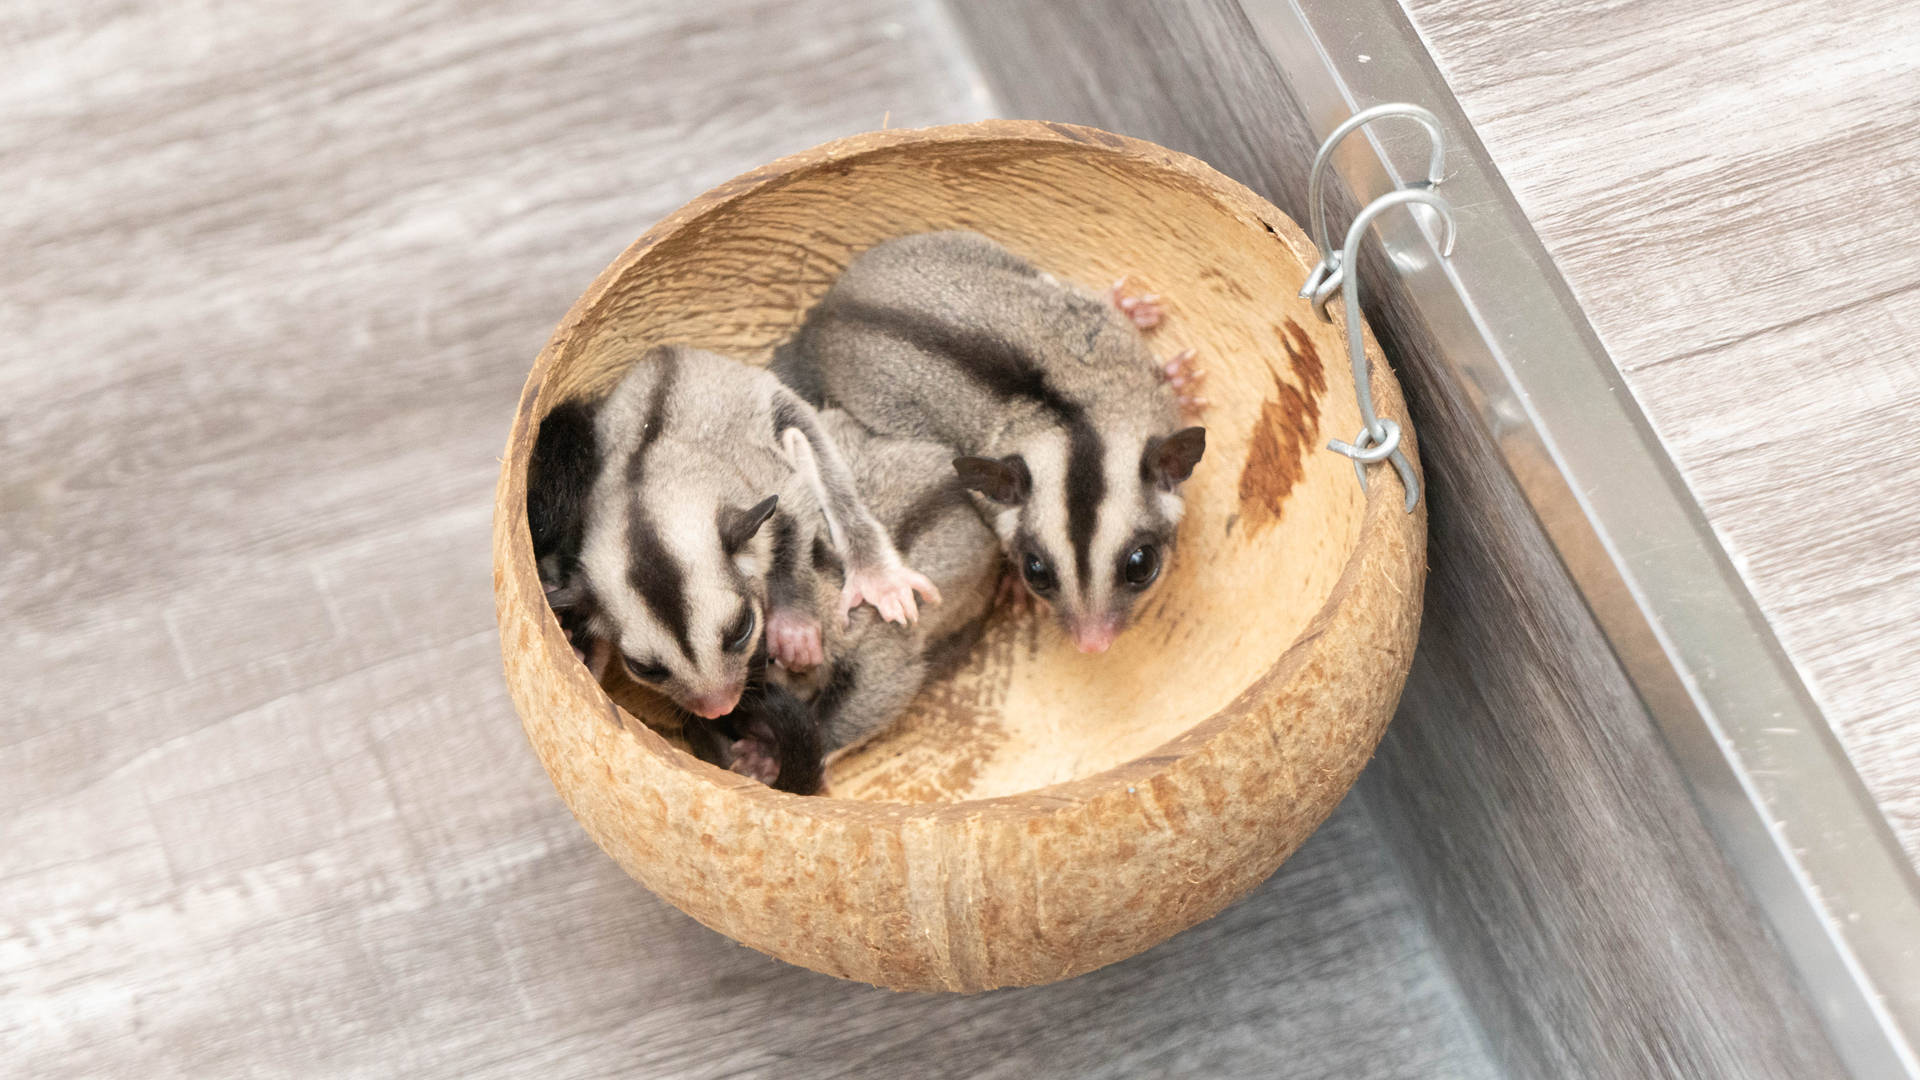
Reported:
(1379, 439)
(1325, 279)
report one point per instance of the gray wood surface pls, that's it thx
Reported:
(273, 280)
(1727, 185)
(1553, 845)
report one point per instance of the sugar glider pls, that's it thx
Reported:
(790, 717)
(875, 668)
(1069, 429)
(783, 729)
(666, 521)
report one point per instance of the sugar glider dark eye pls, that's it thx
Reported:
(1038, 574)
(739, 634)
(646, 672)
(1142, 566)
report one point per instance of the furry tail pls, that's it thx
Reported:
(770, 727)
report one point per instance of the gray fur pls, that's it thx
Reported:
(949, 336)
(691, 443)
(875, 668)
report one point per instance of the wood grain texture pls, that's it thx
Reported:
(1724, 184)
(1553, 845)
(1105, 803)
(273, 279)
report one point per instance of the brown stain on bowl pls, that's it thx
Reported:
(1282, 437)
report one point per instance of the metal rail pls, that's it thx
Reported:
(1772, 781)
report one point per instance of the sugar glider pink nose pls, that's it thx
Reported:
(1095, 637)
(714, 706)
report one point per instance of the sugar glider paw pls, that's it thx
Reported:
(890, 590)
(1185, 376)
(754, 758)
(793, 640)
(1141, 309)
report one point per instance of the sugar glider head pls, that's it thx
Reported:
(681, 597)
(1089, 521)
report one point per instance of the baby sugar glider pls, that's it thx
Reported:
(667, 522)
(1069, 428)
(874, 668)
(781, 729)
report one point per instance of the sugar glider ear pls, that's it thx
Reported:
(1168, 461)
(1004, 480)
(738, 526)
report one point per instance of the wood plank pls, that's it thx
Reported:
(1722, 184)
(274, 281)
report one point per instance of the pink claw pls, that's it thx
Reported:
(890, 590)
(751, 757)
(1183, 375)
(1144, 310)
(1181, 366)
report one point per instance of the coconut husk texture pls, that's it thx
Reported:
(1042, 813)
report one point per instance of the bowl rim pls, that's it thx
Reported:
(516, 576)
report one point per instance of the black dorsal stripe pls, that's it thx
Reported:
(1001, 367)
(651, 569)
(656, 419)
(1008, 371)
(786, 548)
(824, 560)
(927, 510)
(833, 696)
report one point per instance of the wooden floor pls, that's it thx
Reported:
(1728, 187)
(273, 280)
